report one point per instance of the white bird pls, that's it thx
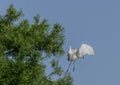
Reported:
(73, 55)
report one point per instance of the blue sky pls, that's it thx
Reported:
(95, 22)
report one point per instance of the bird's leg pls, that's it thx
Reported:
(74, 65)
(68, 67)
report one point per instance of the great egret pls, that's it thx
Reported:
(75, 54)
(71, 56)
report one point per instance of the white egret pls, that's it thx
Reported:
(73, 55)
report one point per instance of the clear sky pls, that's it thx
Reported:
(95, 22)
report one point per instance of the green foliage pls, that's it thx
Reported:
(22, 46)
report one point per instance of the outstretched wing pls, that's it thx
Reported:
(86, 49)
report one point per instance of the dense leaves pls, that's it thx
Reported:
(22, 46)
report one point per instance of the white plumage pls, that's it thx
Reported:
(84, 49)
(71, 54)
(75, 54)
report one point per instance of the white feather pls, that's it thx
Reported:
(71, 54)
(84, 50)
